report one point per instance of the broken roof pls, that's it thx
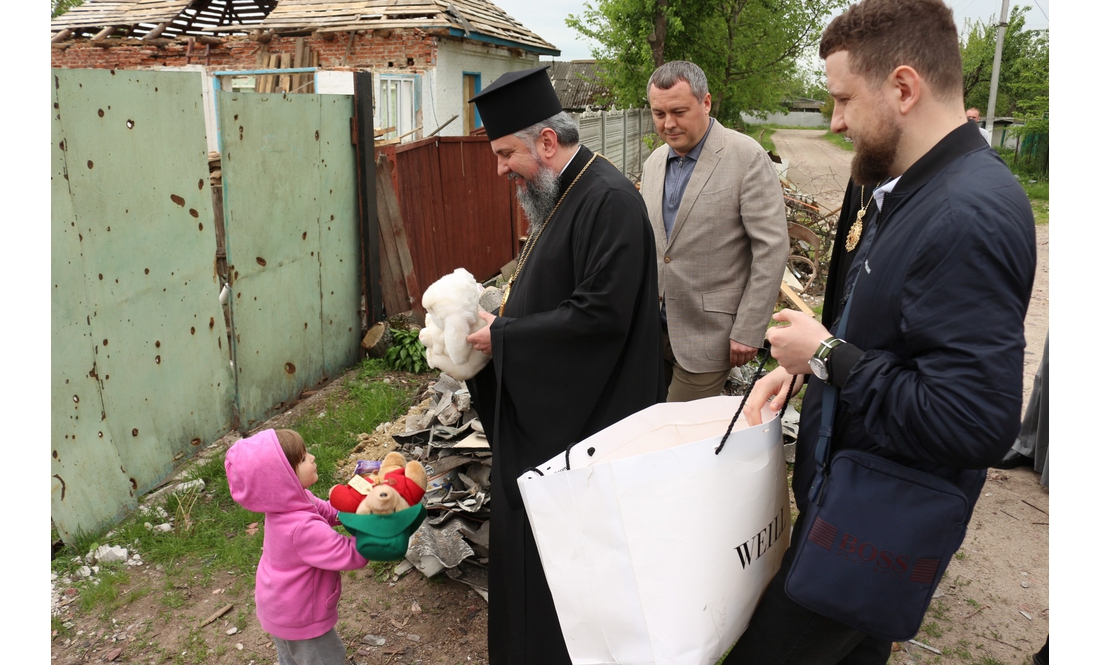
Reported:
(479, 20)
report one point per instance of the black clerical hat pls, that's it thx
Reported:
(516, 101)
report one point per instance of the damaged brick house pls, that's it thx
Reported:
(428, 56)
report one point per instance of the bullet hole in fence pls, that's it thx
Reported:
(331, 218)
(104, 342)
(156, 89)
(304, 234)
(178, 200)
(194, 213)
(236, 274)
(55, 455)
(196, 442)
(289, 367)
(157, 360)
(235, 116)
(192, 330)
(101, 435)
(211, 322)
(200, 226)
(201, 182)
(317, 135)
(158, 343)
(261, 261)
(61, 145)
(76, 399)
(219, 342)
(101, 277)
(305, 326)
(108, 229)
(90, 163)
(146, 271)
(242, 132)
(129, 124)
(134, 432)
(238, 295)
(107, 377)
(389, 64)
(101, 113)
(311, 253)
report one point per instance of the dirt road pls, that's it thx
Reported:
(993, 603)
(814, 166)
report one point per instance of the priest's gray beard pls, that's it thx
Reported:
(539, 197)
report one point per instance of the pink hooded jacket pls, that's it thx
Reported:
(298, 578)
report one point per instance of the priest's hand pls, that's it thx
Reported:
(793, 345)
(482, 340)
(773, 386)
(740, 353)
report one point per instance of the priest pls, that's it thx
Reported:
(575, 344)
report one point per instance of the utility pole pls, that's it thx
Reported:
(1001, 27)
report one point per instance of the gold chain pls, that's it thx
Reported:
(530, 244)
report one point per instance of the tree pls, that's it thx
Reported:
(748, 48)
(1021, 50)
(59, 7)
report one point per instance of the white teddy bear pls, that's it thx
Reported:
(451, 305)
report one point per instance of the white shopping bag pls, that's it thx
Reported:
(657, 550)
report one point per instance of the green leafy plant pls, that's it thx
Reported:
(406, 354)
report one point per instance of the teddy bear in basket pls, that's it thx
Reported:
(451, 306)
(396, 485)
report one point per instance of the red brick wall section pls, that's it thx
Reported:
(402, 51)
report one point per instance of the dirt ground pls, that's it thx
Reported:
(992, 606)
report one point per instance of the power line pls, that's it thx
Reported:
(1036, 3)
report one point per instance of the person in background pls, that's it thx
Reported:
(716, 207)
(975, 116)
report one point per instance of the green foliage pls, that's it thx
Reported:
(839, 141)
(406, 354)
(748, 48)
(59, 7)
(1023, 84)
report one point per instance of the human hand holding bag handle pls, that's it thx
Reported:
(877, 538)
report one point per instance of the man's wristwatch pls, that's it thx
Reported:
(819, 363)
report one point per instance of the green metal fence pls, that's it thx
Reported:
(142, 369)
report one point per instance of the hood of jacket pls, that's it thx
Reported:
(261, 478)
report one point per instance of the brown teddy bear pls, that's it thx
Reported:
(396, 486)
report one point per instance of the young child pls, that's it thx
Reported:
(298, 578)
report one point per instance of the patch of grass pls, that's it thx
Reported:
(382, 570)
(194, 650)
(932, 629)
(331, 436)
(102, 592)
(57, 625)
(961, 555)
(839, 141)
(938, 609)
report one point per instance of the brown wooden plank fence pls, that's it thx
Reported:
(456, 211)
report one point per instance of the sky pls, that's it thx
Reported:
(547, 19)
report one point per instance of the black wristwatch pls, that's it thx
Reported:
(819, 363)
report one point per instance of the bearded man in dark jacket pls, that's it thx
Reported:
(929, 372)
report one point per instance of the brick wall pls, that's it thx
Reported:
(399, 51)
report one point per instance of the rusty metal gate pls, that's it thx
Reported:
(142, 369)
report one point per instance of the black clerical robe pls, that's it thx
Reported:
(576, 349)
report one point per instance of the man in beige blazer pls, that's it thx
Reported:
(716, 207)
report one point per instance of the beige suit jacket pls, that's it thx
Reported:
(720, 269)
